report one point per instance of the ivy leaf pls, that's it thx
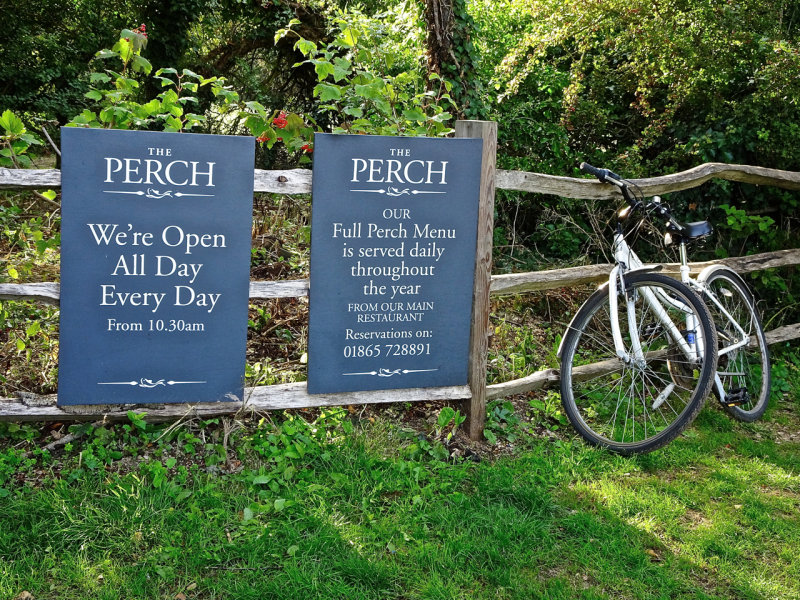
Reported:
(94, 95)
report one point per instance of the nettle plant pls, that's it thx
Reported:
(357, 99)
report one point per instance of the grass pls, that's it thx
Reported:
(332, 506)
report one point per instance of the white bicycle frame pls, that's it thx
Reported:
(656, 298)
(626, 257)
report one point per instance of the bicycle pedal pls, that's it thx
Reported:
(736, 397)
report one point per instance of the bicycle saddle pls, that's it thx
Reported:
(691, 231)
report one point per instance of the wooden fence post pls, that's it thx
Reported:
(475, 408)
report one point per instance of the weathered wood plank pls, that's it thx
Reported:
(549, 378)
(294, 181)
(535, 381)
(291, 288)
(49, 293)
(517, 283)
(29, 179)
(570, 187)
(783, 334)
(475, 407)
(257, 399)
(294, 395)
(298, 181)
(502, 285)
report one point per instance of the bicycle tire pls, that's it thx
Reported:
(748, 368)
(596, 383)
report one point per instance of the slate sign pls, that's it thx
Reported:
(394, 225)
(155, 257)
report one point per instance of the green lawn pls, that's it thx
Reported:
(361, 508)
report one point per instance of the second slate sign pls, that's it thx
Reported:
(394, 224)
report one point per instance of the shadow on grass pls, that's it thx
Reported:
(714, 515)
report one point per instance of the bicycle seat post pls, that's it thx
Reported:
(684, 262)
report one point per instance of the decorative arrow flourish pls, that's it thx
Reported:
(391, 372)
(393, 191)
(151, 193)
(148, 383)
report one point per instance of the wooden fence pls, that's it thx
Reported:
(31, 407)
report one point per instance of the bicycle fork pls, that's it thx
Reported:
(691, 347)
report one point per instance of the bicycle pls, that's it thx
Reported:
(646, 347)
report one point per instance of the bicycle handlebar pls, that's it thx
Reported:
(604, 175)
(656, 208)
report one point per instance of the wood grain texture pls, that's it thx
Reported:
(50, 292)
(31, 407)
(293, 181)
(298, 181)
(550, 378)
(501, 285)
(29, 179)
(475, 407)
(570, 187)
(517, 283)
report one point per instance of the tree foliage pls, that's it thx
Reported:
(643, 87)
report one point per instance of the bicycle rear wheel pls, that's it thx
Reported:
(638, 406)
(744, 373)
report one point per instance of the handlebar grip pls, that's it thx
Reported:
(599, 173)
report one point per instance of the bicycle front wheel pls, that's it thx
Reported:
(744, 371)
(633, 406)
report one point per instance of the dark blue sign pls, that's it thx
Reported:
(155, 257)
(394, 224)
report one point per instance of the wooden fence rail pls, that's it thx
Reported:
(30, 407)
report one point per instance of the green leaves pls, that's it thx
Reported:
(118, 92)
(15, 141)
(327, 92)
(11, 124)
(355, 88)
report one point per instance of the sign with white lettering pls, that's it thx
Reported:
(394, 226)
(155, 266)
